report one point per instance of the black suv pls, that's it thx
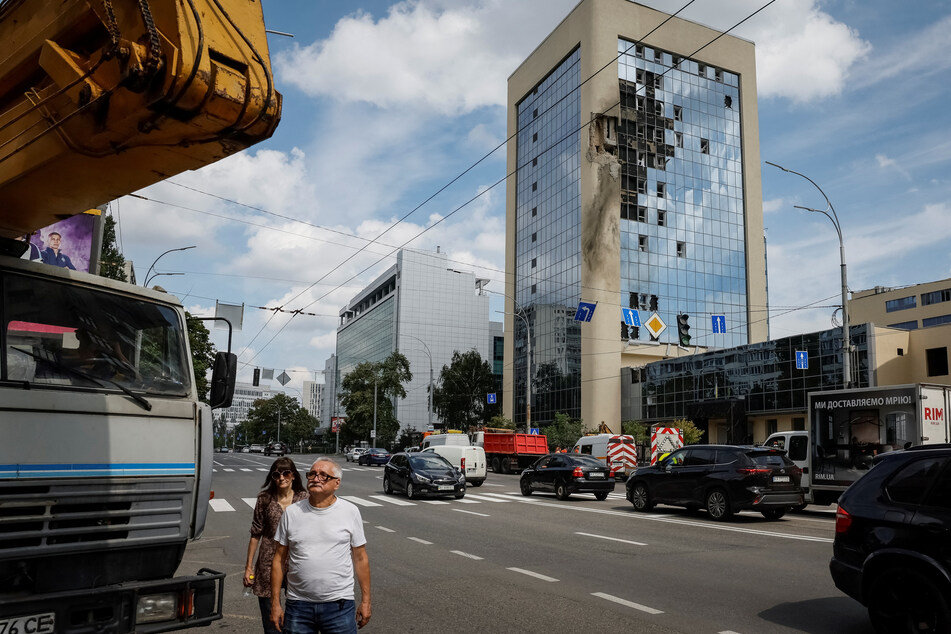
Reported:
(721, 478)
(892, 549)
(275, 449)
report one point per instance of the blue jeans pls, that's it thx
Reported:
(265, 604)
(332, 617)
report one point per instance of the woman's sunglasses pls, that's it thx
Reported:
(286, 473)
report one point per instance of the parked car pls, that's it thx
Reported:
(354, 454)
(256, 449)
(223, 449)
(891, 550)
(565, 473)
(244, 449)
(723, 479)
(423, 475)
(375, 456)
(276, 449)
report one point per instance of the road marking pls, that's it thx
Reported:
(537, 575)
(728, 632)
(490, 484)
(360, 501)
(245, 469)
(263, 469)
(420, 541)
(613, 539)
(462, 554)
(624, 602)
(252, 502)
(385, 529)
(465, 501)
(434, 501)
(393, 500)
(229, 470)
(220, 505)
(501, 497)
(471, 513)
(486, 498)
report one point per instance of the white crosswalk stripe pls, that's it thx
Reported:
(228, 470)
(465, 500)
(250, 501)
(245, 469)
(360, 501)
(486, 498)
(434, 501)
(393, 500)
(220, 505)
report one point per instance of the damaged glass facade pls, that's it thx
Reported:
(683, 234)
(759, 378)
(548, 244)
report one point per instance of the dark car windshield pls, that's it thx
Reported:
(771, 459)
(585, 461)
(377, 451)
(429, 461)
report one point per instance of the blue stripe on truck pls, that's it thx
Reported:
(95, 469)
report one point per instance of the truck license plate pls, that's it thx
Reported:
(780, 478)
(33, 624)
(442, 487)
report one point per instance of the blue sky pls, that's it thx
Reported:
(385, 103)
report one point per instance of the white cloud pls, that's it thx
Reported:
(774, 205)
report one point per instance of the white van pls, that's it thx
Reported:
(474, 456)
(617, 451)
(458, 439)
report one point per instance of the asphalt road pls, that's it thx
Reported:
(500, 562)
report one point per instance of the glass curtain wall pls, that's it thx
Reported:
(683, 236)
(370, 337)
(548, 244)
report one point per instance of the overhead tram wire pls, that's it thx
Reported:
(719, 35)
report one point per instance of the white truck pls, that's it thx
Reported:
(848, 428)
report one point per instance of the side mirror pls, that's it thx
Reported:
(222, 379)
(669, 467)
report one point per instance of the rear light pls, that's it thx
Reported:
(577, 473)
(843, 521)
(753, 471)
(614, 471)
(797, 471)
(462, 464)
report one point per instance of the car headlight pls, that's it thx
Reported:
(420, 478)
(462, 477)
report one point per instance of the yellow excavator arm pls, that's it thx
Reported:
(100, 98)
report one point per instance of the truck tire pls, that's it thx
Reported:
(495, 465)
(504, 464)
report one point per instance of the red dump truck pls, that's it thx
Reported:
(507, 451)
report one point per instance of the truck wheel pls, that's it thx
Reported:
(641, 498)
(718, 505)
(561, 491)
(906, 600)
(601, 495)
(495, 465)
(525, 486)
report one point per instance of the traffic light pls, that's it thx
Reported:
(683, 329)
(257, 377)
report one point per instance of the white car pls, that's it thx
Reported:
(354, 454)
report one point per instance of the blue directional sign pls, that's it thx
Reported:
(534, 431)
(719, 324)
(802, 360)
(585, 311)
(631, 317)
(491, 398)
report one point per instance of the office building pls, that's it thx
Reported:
(244, 396)
(329, 403)
(312, 392)
(634, 183)
(905, 307)
(424, 308)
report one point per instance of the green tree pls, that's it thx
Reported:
(501, 422)
(639, 430)
(203, 353)
(691, 432)
(564, 432)
(111, 260)
(356, 395)
(460, 399)
(266, 414)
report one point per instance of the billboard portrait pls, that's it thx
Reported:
(72, 243)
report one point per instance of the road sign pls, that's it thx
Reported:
(491, 398)
(719, 324)
(655, 325)
(534, 431)
(585, 311)
(283, 379)
(630, 316)
(802, 359)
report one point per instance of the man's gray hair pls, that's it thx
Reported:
(337, 471)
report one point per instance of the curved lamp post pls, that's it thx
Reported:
(160, 257)
(829, 212)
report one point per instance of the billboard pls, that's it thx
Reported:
(73, 243)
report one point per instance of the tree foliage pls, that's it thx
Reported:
(111, 260)
(203, 353)
(261, 427)
(691, 432)
(501, 422)
(564, 432)
(356, 396)
(460, 399)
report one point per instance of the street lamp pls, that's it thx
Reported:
(157, 274)
(430, 403)
(829, 212)
(160, 257)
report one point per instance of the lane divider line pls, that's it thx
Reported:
(537, 575)
(626, 603)
(420, 541)
(613, 539)
(462, 554)
(471, 513)
(385, 529)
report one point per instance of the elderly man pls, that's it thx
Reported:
(322, 541)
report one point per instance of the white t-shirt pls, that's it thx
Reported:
(319, 542)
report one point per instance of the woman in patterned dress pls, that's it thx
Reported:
(282, 488)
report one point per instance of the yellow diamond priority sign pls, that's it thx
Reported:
(655, 325)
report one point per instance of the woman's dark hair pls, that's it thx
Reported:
(282, 463)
